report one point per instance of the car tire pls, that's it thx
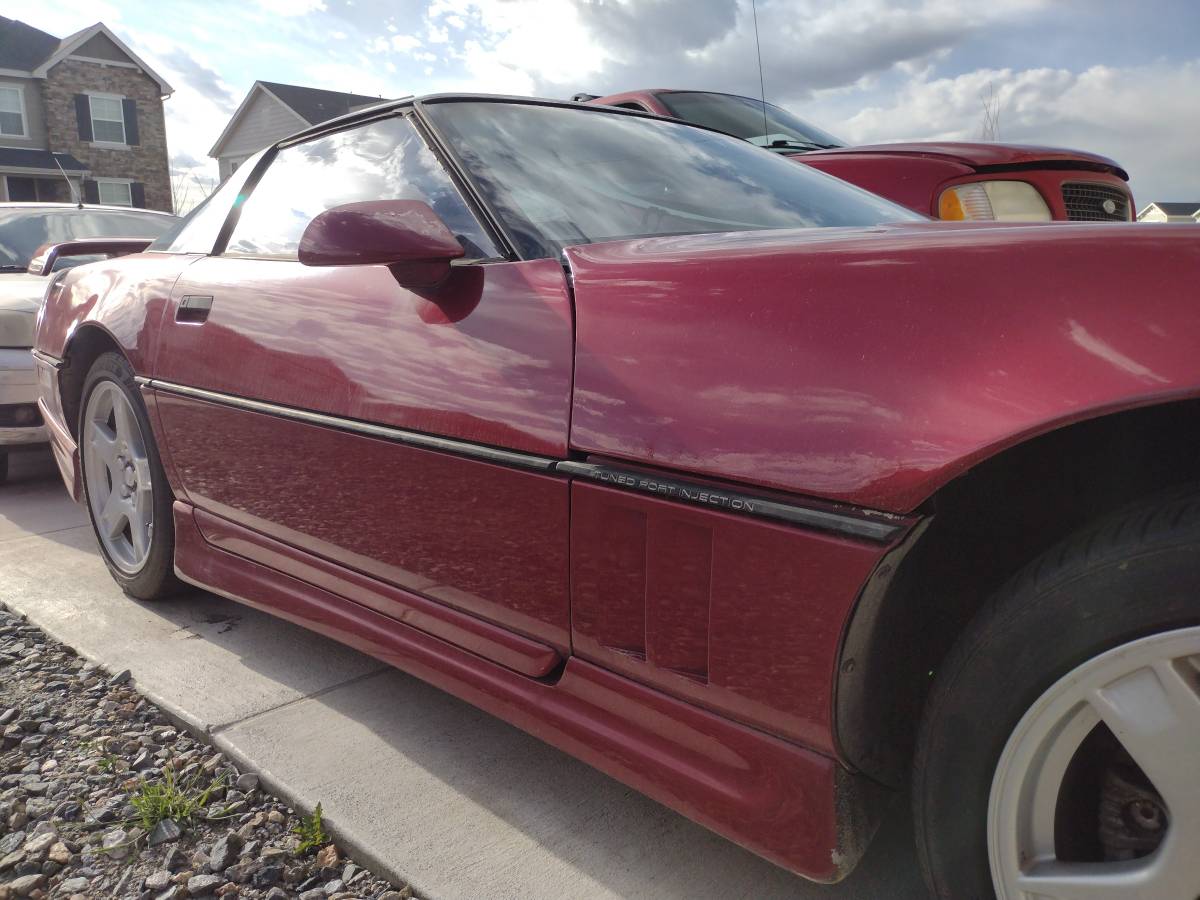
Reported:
(996, 786)
(125, 489)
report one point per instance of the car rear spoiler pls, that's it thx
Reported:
(48, 254)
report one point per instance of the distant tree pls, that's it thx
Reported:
(181, 191)
(990, 128)
(188, 189)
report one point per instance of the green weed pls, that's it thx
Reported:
(311, 831)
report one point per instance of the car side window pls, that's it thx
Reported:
(381, 160)
(197, 232)
(631, 105)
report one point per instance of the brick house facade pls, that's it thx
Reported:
(85, 106)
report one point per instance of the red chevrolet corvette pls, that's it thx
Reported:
(770, 498)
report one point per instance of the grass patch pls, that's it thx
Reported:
(311, 832)
(169, 798)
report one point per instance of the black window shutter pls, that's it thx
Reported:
(91, 192)
(83, 115)
(137, 193)
(129, 107)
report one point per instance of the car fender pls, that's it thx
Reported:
(873, 366)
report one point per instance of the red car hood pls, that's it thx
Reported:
(984, 156)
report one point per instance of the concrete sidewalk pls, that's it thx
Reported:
(416, 784)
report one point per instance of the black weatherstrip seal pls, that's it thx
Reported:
(880, 527)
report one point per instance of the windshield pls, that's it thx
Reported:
(22, 231)
(559, 176)
(743, 117)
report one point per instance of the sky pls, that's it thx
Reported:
(1116, 77)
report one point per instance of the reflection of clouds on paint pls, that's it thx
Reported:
(360, 348)
(594, 399)
(1101, 349)
(817, 405)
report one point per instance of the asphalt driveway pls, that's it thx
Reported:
(418, 784)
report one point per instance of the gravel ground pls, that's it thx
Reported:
(101, 795)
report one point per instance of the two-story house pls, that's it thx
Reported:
(83, 108)
(1171, 211)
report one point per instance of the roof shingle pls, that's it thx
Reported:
(1178, 208)
(23, 47)
(315, 105)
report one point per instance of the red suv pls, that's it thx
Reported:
(943, 179)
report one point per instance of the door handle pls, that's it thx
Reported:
(193, 308)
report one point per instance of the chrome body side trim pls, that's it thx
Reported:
(866, 525)
(52, 361)
(512, 458)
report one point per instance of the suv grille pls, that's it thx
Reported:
(1090, 202)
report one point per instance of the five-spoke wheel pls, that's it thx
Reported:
(1097, 793)
(128, 498)
(1059, 754)
(120, 487)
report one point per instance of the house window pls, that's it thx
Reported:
(12, 112)
(114, 193)
(108, 120)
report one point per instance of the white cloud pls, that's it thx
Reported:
(530, 42)
(1142, 116)
(870, 70)
(292, 7)
(404, 42)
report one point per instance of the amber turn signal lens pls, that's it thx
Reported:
(949, 207)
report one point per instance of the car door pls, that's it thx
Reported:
(399, 436)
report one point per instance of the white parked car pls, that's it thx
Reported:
(24, 228)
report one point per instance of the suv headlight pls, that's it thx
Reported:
(16, 328)
(993, 201)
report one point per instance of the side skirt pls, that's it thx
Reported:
(66, 452)
(790, 805)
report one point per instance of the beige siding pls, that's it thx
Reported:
(100, 47)
(263, 121)
(35, 115)
(226, 165)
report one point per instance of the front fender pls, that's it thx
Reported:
(123, 297)
(873, 366)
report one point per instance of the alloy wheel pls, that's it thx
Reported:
(1097, 792)
(116, 468)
